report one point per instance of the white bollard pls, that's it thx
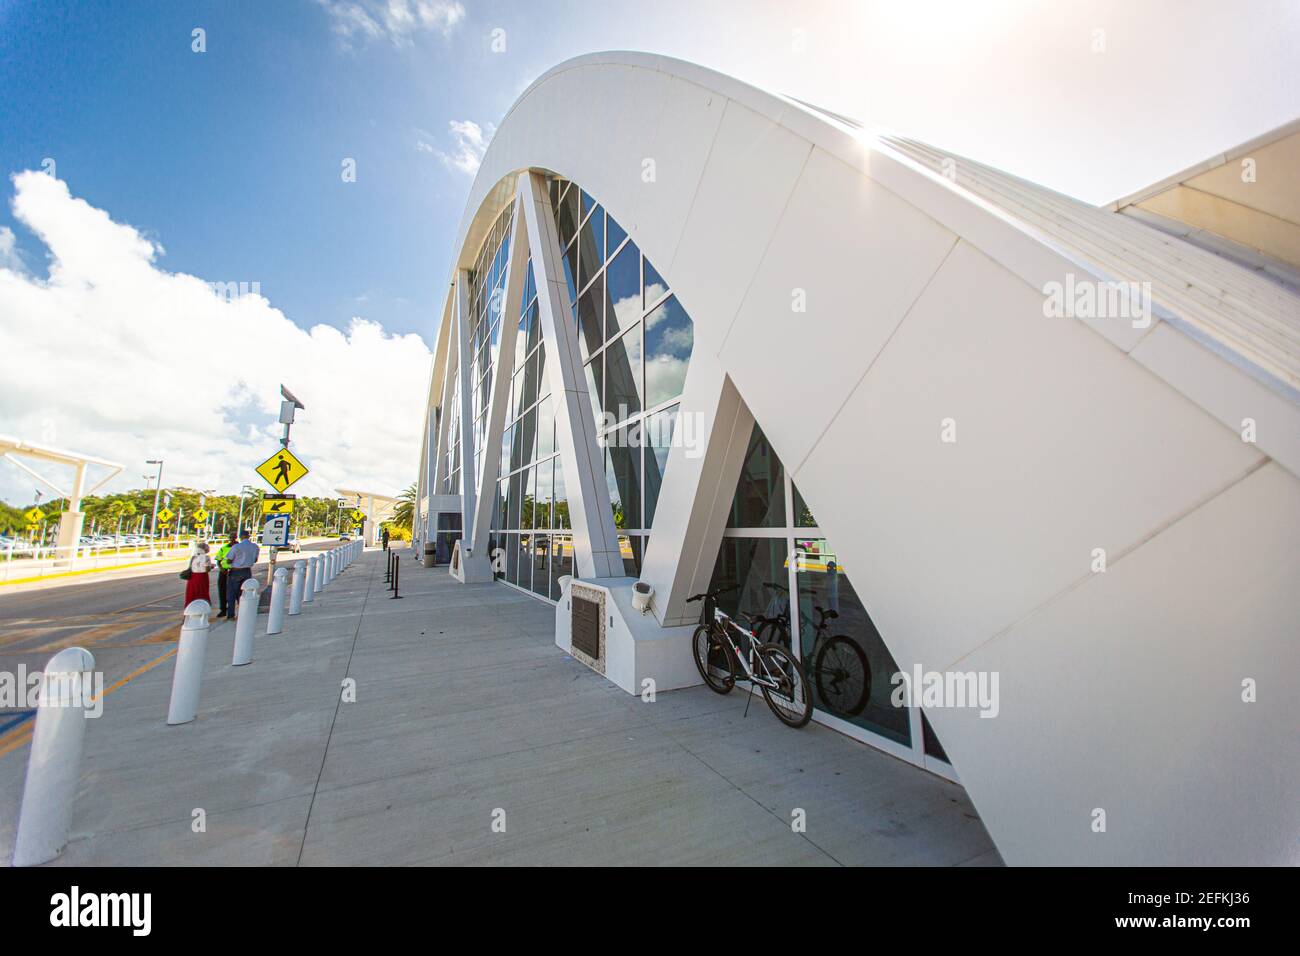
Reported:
(296, 588)
(320, 573)
(279, 600)
(246, 623)
(188, 674)
(309, 581)
(333, 565)
(54, 764)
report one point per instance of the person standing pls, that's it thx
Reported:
(196, 586)
(242, 558)
(223, 572)
(383, 536)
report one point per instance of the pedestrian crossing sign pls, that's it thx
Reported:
(165, 516)
(358, 515)
(277, 504)
(34, 515)
(200, 516)
(282, 470)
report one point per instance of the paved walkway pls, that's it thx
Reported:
(466, 712)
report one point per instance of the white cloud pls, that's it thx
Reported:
(398, 20)
(114, 357)
(8, 250)
(470, 142)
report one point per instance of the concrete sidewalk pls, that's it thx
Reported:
(466, 712)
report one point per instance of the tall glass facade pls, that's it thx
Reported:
(635, 341)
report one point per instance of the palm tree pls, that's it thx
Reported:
(404, 513)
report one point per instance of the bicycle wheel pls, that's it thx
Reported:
(791, 699)
(843, 676)
(713, 660)
(772, 630)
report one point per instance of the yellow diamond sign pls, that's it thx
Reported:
(281, 470)
(200, 516)
(275, 505)
(33, 515)
(165, 516)
(358, 515)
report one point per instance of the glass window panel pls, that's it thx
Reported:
(516, 446)
(494, 549)
(526, 503)
(623, 475)
(516, 481)
(759, 501)
(591, 245)
(534, 327)
(566, 216)
(669, 340)
(570, 278)
(803, 516)
(629, 547)
(561, 562)
(528, 428)
(560, 499)
(591, 330)
(749, 565)
(505, 449)
(545, 429)
(614, 234)
(655, 286)
(530, 382)
(511, 543)
(658, 435)
(623, 279)
(525, 545)
(623, 376)
(845, 658)
(595, 383)
(588, 204)
(502, 519)
(541, 560)
(543, 383)
(542, 494)
(931, 740)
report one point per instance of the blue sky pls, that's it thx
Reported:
(225, 165)
(231, 159)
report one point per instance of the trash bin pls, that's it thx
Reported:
(430, 554)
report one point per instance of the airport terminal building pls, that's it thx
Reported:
(702, 336)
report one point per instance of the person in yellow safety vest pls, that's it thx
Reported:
(223, 563)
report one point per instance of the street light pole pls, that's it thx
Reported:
(153, 522)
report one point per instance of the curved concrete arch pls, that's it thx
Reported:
(973, 460)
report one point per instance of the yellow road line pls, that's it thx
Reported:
(69, 574)
(21, 736)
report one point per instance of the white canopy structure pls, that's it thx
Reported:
(15, 449)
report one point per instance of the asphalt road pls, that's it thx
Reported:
(127, 623)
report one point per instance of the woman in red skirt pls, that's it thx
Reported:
(196, 588)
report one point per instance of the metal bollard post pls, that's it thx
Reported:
(279, 598)
(388, 568)
(246, 624)
(54, 764)
(188, 673)
(397, 573)
(296, 588)
(329, 566)
(309, 581)
(319, 577)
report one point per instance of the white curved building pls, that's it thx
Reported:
(1001, 432)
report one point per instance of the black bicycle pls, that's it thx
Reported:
(840, 667)
(722, 649)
